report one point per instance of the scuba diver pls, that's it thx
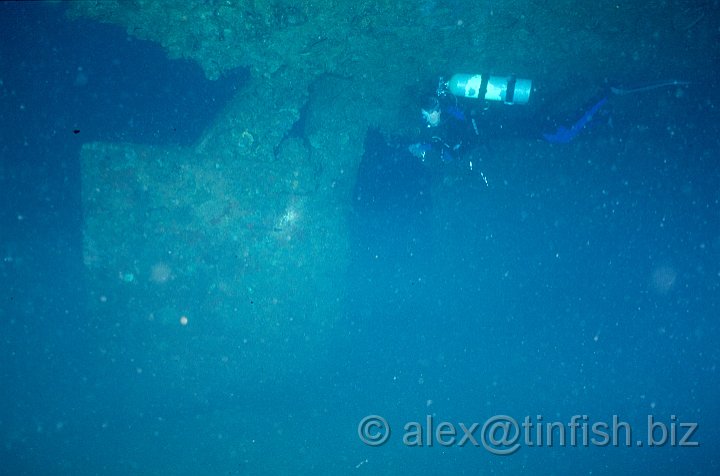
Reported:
(450, 132)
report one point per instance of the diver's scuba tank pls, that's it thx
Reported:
(508, 89)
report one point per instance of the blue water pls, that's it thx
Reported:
(581, 284)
